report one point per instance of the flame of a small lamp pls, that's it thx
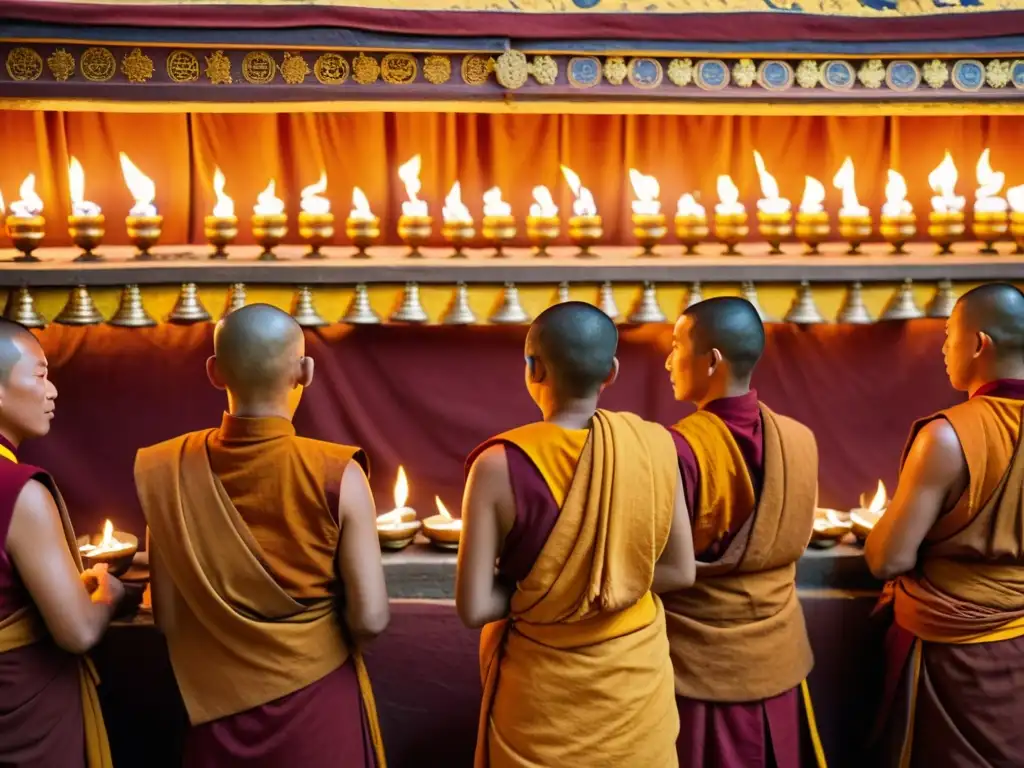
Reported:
(688, 206)
(770, 202)
(544, 205)
(879, 501)
(943, 182)
(141, 186)
(494, 205)
(728, 196)
(2, 209)
(108, 535)
(76, 181)
(814, 196)
(268, 203)
(401, 489)
(584, 204)
(989, 183)
(845, 182)
(647, 191)
(442, 509)
(108, 543)
(1014, 194)
(30, 203)
(360, 206)
(312, 199)
(410, 176)
(454, 209)
(225, 206)
(896, 203)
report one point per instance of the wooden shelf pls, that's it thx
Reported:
(184, 264)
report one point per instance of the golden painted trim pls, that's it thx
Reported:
(199, 46)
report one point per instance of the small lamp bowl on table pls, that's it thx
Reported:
(830, 527)
(441, 533)
(118, 561)
(399, 535)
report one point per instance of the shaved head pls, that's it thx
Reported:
(257, 351)
(13, 337)
(997, 310)
(731, 325)
(576, 342)
(985, 337)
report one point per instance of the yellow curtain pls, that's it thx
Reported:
(515, 152)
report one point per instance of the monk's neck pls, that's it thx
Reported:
(728, 389)
(258, 409)
(10, 436)
(573, 414)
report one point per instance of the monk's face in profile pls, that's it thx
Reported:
(689, 367)
(964, 350)
(27, 396)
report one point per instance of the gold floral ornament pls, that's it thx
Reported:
(365, 69)
(476, 69)
(24, 64)
(437, 69)
(872, 73)
(218, 68)
(997, 73)
(137, 66)
(259, 68)
(936, 73)
(61, 64)
(511, 69)
(680, 72)
(744, 73)
(294, 69)
(544, 70)
(615, 70)
(98, 65)
(808, 74)
(331, 69)
(182, 67)
(399, 68)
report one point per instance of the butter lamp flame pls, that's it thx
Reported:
(225, 206)
(989, 183)
(494, 205)
(76, 181)
(141, 186)
(898, 222)
(454, 209)
(543, 205)
(691, 222)
(584, 204)
(401, 493)
(499, 226)
(442, 509)
(730, 215)
(946, 219)
(30, 204)
(542, 223)
(814, 196)
(316, 222)
(896, 203)
(362, 227)
(770, 202)
(688, 206)
(220, 228)
(268, 203)
(879, 501)
(457, 226)
(360, 206)
(25, 224)
(812, 227)
(311, 197)
(990, 218)
(86, 222)
(647, 191)
(854, 218)
(410, 176)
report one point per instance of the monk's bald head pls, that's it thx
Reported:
(576, 343)
(258, 351)
(14, 339)
(731, 325)
(985, 337)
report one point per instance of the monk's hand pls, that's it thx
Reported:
(89, 579)
(109, 590)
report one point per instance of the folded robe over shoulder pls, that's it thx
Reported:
(580, 673)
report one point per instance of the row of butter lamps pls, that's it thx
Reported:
(994, 215)
(80, 308)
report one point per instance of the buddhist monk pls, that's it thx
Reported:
(584, 515)
(738, 640)
(951, 540)
(265, 564)
(51, 610)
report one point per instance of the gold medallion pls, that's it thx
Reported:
(24, 64)
(294, 69)
(365, 69)
(182, 67)
(218, 68)
(61, 64)
(398, 68)
(98, 65)
(331, 69)
(137, 67)
(437, 69)
(476, 69)
(259, 67)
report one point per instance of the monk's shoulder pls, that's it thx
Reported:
(795, 428)
(336, 452)
(522, 437)
(155, 454)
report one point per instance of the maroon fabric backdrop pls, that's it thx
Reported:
(424, 397)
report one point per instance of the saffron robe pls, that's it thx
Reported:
(955, 679)
(49, 707)
(244, 530)
(743, 708)
(579, 673)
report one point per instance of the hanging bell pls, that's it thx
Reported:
(459, 312)
(695, 295)
(606, 301)
(510, 312)
(902, 305)
(647, 309)
(943, 301)
(804, 311)
(80, 309)
(411, 310)
(130, 312)
(563, 293)
(749, 292)
(853, 311)
(359, 311)
(21, 308)
(188, 309)
(304, 309)
(236, 299)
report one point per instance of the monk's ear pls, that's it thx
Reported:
(613, 374)
(213, 374)
(982, 342)
(716, 360)
(305, 372)
(538, 371)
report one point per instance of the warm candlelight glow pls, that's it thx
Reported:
(360, 206)
(1015, 195)
(879, 501)
(410, 176)
(494, 205)
(814, 196)
(829, 520)
(943, 182)
(268, 203)
(311, 198)
(109, 543)
(442, 509)
(76, 180)
(584, 204)
(647, 191)
(544, 205)
(225, 206)
(141, 186)
(688, 206)
(401, 489)
(728, 197)
(989, 184)
(2, 209)
(770, 202)
(30, 203)
(845, 182)
(896, 203)
(454, 209)
(446, 521)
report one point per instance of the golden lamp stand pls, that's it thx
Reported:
(812, 229)
(144, 232)
(363, 232)
(87, 233)
(26, 233)
(542, 231)
(317, 229)
(414, 231)
(220, 232)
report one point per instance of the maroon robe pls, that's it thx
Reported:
(40, 692)
(320, 726)
(747, 734)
